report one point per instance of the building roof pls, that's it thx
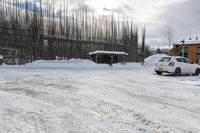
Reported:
(188, 42)
(108, 52)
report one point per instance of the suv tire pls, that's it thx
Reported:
(197, 72)
(177, 72)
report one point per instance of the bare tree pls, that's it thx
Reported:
(170, 35)
(143, 44)
(68, 33)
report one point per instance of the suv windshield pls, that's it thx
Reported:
(165, 59)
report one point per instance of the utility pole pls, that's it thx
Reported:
(183, 48)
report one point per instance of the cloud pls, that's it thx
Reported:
(127, 7)
(183, 16)
(116, 10)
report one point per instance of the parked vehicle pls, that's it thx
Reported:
(176, 65)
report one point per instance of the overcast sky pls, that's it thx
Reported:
(183, 15)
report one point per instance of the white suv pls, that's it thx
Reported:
(176, 65)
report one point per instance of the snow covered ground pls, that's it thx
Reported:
(57, 97)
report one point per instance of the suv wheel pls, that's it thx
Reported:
(177, 72)
(197, 72)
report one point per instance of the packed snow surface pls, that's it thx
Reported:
(79, 96)
(151, 60)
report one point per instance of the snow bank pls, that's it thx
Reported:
(151, 60)
(61, 63)
(75, 63)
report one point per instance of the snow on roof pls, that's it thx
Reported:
(108, 52)
(188, 42)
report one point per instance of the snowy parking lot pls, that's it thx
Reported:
(133, 99)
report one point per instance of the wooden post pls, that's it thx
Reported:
(111, 59)
(96, 58)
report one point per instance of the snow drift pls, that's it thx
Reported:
(75, 63)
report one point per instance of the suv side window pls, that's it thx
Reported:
(179, 59)
(187, 61)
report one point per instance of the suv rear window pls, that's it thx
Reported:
(180, 59)
(164, 59)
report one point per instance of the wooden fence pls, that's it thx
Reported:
(19, 46)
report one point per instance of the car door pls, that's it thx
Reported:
(189, 66)
(181, 64)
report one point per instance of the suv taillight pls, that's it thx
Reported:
(171, 63)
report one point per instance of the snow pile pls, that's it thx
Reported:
(77, 63)
(151, 60)
(62, 63)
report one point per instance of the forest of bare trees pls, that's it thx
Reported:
(29, 32)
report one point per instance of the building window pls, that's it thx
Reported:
(184, 52)
(198, 53)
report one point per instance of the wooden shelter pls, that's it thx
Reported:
(108, 57)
